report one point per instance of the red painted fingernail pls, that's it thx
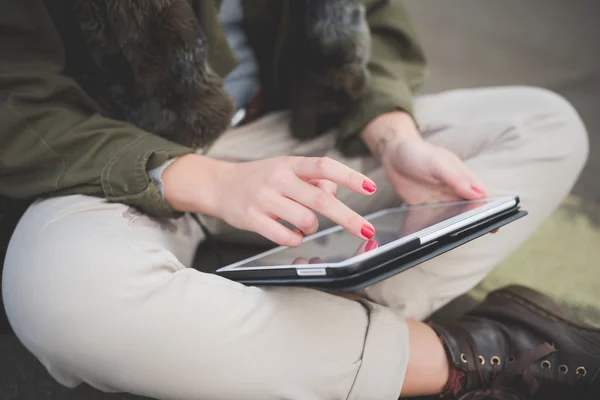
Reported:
(369, 186)
(371, 245)
(367, 232)
(477, 190)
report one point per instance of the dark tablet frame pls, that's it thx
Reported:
(377, 268)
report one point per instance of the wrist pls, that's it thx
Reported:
(191, 184)
(389, 130)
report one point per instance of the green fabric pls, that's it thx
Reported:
(397, 64)
(55, 140)
(221, 58)
(397, 68)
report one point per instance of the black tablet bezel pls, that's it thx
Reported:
(374, 269)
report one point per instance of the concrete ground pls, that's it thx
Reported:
(554, 44)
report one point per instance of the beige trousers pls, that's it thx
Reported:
(102, 294)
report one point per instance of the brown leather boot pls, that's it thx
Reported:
(519, 344)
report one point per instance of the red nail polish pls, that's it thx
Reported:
(369, 186)
(371, 245)
(477, 190)
(367, 232)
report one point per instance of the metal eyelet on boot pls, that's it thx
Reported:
(495, 360)
(482, 360)
(581, 371)
(462, 358)
(511, 359)
(546, 364)
(563, 369)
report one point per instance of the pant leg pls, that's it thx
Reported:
(101, 294)
(520, 141)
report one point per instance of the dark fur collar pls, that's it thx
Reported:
(153, 54)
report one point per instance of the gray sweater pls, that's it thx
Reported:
(241, 84)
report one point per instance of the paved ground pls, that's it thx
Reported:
(554, 44)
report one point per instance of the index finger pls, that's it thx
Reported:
(335, 171)
(325, 204)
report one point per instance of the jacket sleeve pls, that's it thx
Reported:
(397, 70)
(54, 139)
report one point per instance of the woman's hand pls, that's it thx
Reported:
(419, 171)
(255, 195)
(423, 173)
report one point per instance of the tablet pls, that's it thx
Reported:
(405, 236)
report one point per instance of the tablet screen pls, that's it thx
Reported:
(341, 245)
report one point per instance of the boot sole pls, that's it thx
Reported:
(544, 306)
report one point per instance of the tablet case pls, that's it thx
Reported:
(360, 279)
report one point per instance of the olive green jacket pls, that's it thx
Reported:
(55, 140)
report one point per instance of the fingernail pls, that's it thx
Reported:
(477, 190)
(335, 195)
(369, 186)
(367, 232)
(371, 245)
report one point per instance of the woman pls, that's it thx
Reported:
(103, 107)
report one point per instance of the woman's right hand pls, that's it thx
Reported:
(255, 195)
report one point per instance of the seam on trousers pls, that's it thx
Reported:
(369, 314)
(356, 373)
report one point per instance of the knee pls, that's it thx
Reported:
(36, 282)
(25, 292)
(557, 119)
(58, 276)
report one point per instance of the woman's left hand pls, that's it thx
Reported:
(419, 171)
(423, 173)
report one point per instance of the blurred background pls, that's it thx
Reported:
(549, 43)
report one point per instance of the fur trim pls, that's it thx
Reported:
(165, 85)
(154, 56)
(333, 73)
